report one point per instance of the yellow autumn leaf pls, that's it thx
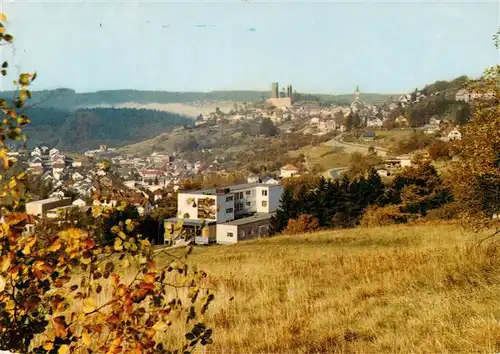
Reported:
(63, 349)
(74, 233)
(118, 245)
(48, 345)
(160, 326)
(89, 305)
(3, 18)
(122, 235)
(86, 339)
(5, 263)
(27, 249)
(9, 304)
(54, 246)
(3, 283)
(12, 183)
(125, 263)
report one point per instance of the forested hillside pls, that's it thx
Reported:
(87, 128)
(69, 99)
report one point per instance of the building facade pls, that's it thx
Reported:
(41, 207)
(207, 214)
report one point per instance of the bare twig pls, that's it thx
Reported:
(497, 231)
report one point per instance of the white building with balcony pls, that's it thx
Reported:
(201, 212)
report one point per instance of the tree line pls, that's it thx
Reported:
(343, 202)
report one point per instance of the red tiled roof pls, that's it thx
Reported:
(150, 172)
(289, 167)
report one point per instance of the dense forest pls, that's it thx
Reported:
(87, 128)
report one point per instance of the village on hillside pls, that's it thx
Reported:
(222, 214)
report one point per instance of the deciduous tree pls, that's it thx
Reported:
(75, 295)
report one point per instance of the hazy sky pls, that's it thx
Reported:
(327, 47)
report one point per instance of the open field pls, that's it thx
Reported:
(324, 155)
(387, 138)
(405, 289)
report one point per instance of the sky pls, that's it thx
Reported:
(322, 47)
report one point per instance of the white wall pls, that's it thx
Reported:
(223, 230)
(261, 198)
(247, 198)
(222, 216)
(275, 194)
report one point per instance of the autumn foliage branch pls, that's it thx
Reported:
(61, 291)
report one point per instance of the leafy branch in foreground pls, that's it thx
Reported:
(64, 292)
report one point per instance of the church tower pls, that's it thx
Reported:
(356, 93)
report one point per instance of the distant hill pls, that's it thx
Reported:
(87, 128)
(67, 99)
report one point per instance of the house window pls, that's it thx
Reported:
(229, 199)
(248, 192)
(229, 210)
(230, 234)
(249, 203)
(264, 192)
(264, 203)
(238, 206)
(241, 195)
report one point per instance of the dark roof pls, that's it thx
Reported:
(190, 222)
(251, 219)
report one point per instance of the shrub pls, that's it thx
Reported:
(448, 211)
(439, 150)
(304, 223)
(382, 216)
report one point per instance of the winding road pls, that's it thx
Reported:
(350, 148)
(353, 147)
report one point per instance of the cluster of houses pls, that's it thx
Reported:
(42, 159)
(444, 128)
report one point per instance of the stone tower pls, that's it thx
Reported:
(275, 90)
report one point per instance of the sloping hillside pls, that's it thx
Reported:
(378, 290)
(88, 128)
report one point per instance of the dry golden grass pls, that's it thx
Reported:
(405, 289)
(324, 155)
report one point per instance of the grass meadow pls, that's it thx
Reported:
(415, 288)
(423, 288)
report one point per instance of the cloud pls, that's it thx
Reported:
(251, 29)
(200, 26)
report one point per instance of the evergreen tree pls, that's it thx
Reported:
(286, 211)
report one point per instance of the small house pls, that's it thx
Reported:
(288, 170)
(454, 134)
(252, 178)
